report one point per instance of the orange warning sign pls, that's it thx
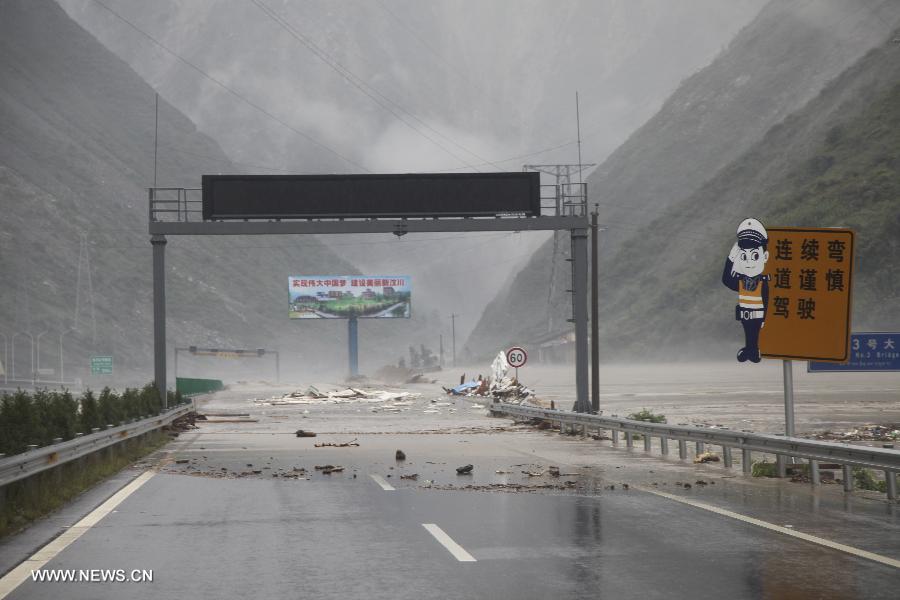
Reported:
(808, 315)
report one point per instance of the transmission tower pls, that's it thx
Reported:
(563, 175)
(84, 265)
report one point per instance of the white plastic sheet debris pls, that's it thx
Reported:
(499, 367)
(349, 395)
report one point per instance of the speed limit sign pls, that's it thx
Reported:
(516, 357)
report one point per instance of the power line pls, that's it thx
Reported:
(370, 91)
(450, 66)
(232, 91)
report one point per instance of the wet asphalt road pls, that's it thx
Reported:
(343, 538)
(209, 527)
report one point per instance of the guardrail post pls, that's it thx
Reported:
(746, 461)
(614, 434)
(647, 442)
(629, 439)
(891, 478)
(847, 471)
(583, 431)
(781, 466)
(726, 456)
(814, 472)
(682, 449)
(699, 447)
(664, 445)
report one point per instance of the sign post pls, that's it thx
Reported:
(516, 357)
(810, 271)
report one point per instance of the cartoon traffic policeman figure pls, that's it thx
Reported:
(744, 274)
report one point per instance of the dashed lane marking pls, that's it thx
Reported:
(380, 481)
(458, 552)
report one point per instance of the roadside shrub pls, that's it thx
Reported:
(89, 416)
(864, 480)
(646, 415)
(42, 416)
(763, 469)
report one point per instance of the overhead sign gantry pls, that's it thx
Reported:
(372, 203)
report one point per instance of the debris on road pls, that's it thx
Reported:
(353, 442)
(182, 461)
(302, 433)
(864, 433)
(497, 386)
(400, 455)
(706, 457)
(313, 396)
(413, 476)
(465, 470)
(329, 469)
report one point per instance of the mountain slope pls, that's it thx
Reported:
(76, 157)
(772, 68)
(835, 163)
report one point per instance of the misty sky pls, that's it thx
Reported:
(402, 86)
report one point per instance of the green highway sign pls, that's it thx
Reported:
(101, 365)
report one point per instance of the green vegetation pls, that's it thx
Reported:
(29, 499)
(763, 468)
(646, 415)
(43, 416)
(863, 479)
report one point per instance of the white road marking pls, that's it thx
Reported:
(17, 576)
(785, 530)
(384, 484)
(458, 552)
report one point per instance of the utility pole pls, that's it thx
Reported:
(441, 349)
(595, 316)
(453, 329)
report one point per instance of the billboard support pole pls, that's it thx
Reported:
(353, 345)
(788, 367)
(580, 316)
(159, 315)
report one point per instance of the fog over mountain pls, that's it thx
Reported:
(415, 86)
(773, 67)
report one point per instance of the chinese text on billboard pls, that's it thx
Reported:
(345, 296)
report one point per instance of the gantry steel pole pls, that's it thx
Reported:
(159, 315)
(595, 316)
(580, 316)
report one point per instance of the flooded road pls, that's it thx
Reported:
(242, 507)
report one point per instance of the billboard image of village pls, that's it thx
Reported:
(345, 296)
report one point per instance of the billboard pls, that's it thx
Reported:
(369, 196)
(345, 296)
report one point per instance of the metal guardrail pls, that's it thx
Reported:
(26, 464)
(784, 448)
